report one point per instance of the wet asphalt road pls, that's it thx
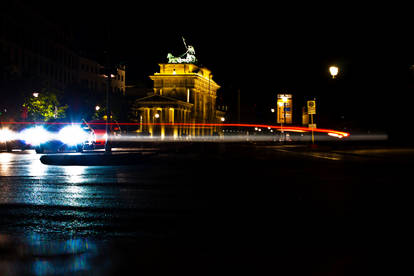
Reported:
(228, 208)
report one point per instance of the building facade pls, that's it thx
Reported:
(184, 99)
(35, 49)
(37, 54)
(92, 76)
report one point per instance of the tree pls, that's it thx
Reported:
(44, 106)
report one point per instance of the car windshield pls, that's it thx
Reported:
(55, 125)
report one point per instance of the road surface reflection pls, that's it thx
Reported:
(36, 254)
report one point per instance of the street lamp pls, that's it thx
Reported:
(334, 71)
(35, 94)
(97, 108)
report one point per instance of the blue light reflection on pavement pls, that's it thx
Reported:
(76, 252)
(53, 185)
(88, 206)
(36, 254)
(54, 239)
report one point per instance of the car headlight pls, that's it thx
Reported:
(6, 135)
(72, 135)
(35, 136)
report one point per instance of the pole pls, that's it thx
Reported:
(284, 119)
(209, 81)
(313, 137)
(238, 106)
(108, 108)
(108, 117)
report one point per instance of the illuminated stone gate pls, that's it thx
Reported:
(183, 93)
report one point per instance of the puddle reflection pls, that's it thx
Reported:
(5, 159)
(75, 174)
(36, 168)
(47, 257)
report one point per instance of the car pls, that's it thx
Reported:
(98, 128)
(10, 139)
(57, 136)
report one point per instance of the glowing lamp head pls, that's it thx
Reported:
(6, 135)
(222, 119)
(157, 115)
(72, 135)
(334, 71)
(35, 135)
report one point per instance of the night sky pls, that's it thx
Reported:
(264, 49)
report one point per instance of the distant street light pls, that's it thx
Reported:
(35, 94)
(272, 110)
(334, 71)
(222, 119)
(157, 115)
(97, 108)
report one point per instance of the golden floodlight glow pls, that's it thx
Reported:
(334, 71)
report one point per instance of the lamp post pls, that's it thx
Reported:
(339, 108)
(108, 148)
(156, 126)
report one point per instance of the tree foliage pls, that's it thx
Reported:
(44, 107)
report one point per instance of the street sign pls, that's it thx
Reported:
(311, 107)
(284, 108)
(312, 125)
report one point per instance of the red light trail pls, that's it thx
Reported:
(203, 125)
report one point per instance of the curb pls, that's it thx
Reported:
(95, 159)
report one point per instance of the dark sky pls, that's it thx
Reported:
(262, 48)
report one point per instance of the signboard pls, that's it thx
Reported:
(312, 125)
(311, 107)
(284, 108)
(305, 116)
